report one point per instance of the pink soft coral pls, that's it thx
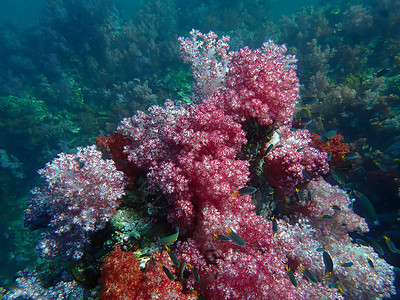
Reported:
(261, 84)
(294, 158)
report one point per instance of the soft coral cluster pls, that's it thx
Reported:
(261, 84)
(81, 196)
(122, 278)
(293, 160)
(334, 146)
(247, 84)
(298, 242)
(194, 161)
(190, 154)
(120, 275)
(209, 58)
(250, 272)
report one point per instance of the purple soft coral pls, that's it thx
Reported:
(81, 197)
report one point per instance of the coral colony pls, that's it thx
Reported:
(214, 161)
(80, 198)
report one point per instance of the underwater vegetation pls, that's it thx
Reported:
(241, 173)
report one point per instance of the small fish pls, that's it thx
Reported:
(333, 285)
(301, 149)
(222, 238)
(279, 146)
(330, 134)
(336, 175)
(320, 249)
(328, 263)
(301, 123)
(339, 287)
(350, 156)
(330, 157)
(310, 276)
(390, 244)
(305, 121)
(153, 261)
(168, 240)
(210, 250)
(309, 196)
(274, 225)
(382, 72)
(270, 190)
(335, 278)
(382, 167)
(376, 246)
(351, 205)
(336, 285)
(174, 259)
(362, 242)
(305, 174)
(145, 255)
(10, 287)
(300, 195)
(369, 208)
(346, 264)
(195, 273)
(309, 100)
(168, 272)
(365, 146)
(247, 190)
(237, 240)
(268, 149)
(371, 264)
(182, 270)
(291, 276)
(328, 217)
(359, 231)
(216, 275)
(335, 207)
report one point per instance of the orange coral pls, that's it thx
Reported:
(121, 276)
(334, 146)
(122, 279)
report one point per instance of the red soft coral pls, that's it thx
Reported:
(334, 146)
(120, 275)
(122, 279)
(157, 285)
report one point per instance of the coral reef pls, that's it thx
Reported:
(84, 65)
(193, 156)
(299, 243)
